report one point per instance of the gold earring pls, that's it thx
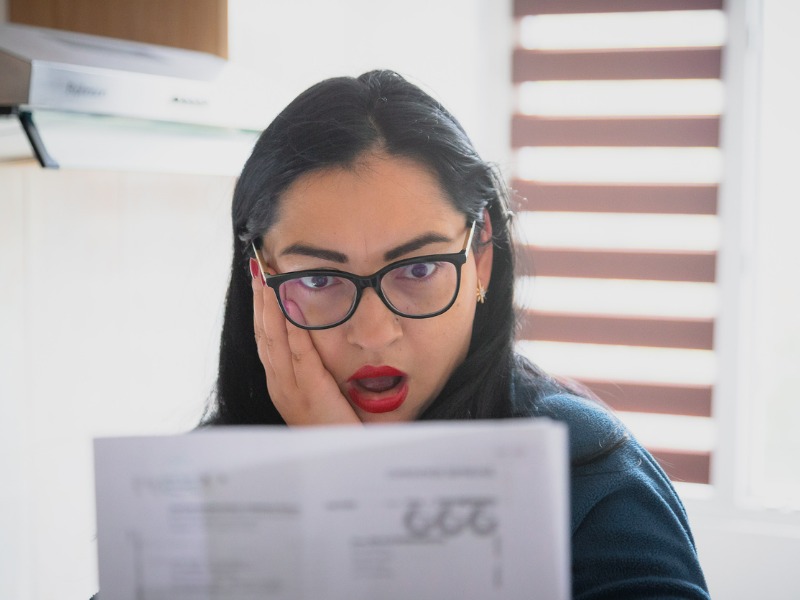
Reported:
(480, 292)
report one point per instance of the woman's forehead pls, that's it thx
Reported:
(381, 203)
(375, 180)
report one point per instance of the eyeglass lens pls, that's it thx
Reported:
(414, 290)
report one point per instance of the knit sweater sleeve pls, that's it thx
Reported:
(630, 534)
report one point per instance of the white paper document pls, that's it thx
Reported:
(462, 510)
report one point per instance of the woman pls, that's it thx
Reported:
(372, 281)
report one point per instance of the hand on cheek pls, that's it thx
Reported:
(303, 391)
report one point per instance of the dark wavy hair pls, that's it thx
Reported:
(333, 124)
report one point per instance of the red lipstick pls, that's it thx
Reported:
(378, 389)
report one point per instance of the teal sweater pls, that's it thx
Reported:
(630, 535)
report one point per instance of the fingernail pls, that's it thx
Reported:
(254, 270)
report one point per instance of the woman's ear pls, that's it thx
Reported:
(485, 252)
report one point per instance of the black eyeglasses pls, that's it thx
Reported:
(415, 288)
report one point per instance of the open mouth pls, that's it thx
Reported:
(378, 385)
(378, 389)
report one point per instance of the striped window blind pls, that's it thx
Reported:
(617, 166)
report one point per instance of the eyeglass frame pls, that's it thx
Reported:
(457, 259)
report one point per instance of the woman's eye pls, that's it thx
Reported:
(419, 270)
(318, 282)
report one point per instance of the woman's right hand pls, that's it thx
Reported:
(301, 388)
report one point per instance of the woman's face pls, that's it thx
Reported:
(359, 220)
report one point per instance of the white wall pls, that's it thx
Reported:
(747, 554)
(113, 283)
(458, 50)
(111, 297)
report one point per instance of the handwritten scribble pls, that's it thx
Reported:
(450, 517)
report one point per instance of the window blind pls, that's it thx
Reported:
(615, 136)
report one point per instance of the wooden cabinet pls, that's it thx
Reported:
(193, 24)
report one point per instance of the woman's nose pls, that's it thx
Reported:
(373, 326)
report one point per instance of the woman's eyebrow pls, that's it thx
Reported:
(300, 249)
(314, 252)
(418, 242)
